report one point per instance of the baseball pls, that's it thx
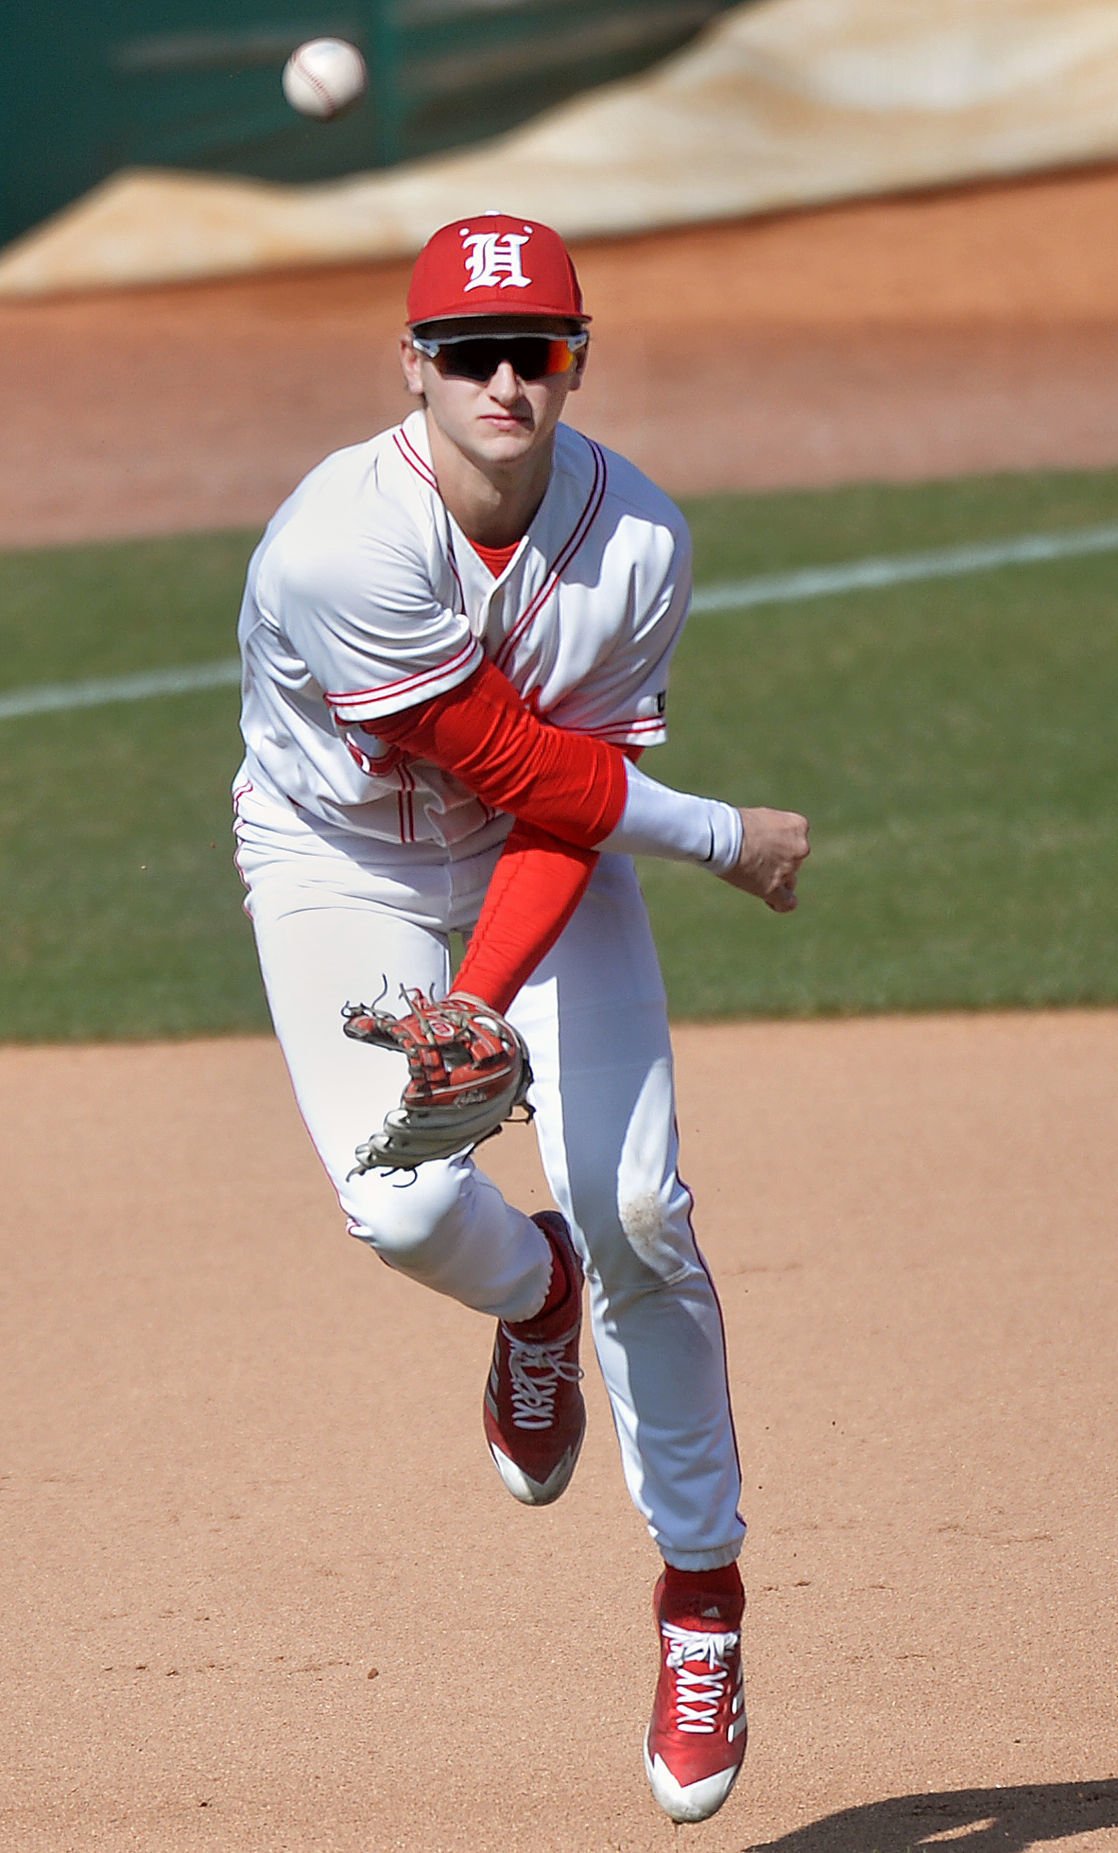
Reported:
(324, 77)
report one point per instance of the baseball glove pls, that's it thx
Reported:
(468, 1072)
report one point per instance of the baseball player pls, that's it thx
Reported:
(456, 640)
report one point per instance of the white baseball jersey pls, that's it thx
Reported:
(364, 597)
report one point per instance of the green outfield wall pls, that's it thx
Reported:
(195, 84)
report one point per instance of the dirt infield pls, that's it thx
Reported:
(245, 1470)
(263, 1588)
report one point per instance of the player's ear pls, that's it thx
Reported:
(579, 368)
(411, 365)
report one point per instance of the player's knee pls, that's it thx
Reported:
(643, 1243)
(406, 1216)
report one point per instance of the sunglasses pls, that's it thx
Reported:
(477, 357)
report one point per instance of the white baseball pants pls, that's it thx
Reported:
(339, 919)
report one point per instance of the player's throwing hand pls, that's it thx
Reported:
(773, 847)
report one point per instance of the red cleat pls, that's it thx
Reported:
(696, 1740)
(534, 1414)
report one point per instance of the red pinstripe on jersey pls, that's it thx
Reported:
(387, 696)
(412, 457)
(562, 559)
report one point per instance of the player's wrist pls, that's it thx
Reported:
(727, 827)
(676, 825)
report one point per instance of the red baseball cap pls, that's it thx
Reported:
(494, 264)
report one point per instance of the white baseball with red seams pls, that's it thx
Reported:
(324, 77)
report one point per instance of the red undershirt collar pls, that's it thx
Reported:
(496, 558)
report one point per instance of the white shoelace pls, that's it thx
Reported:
(698, 1694)
(536, 1372)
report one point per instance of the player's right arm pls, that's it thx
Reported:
(401, 666)
(571, 795)
(585, 791)
(362, 605)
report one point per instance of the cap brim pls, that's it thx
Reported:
(503, 311)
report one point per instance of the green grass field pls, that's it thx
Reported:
(951, 740)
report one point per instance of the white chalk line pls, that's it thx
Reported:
(57, 697)
(866, 575)
(738, 595)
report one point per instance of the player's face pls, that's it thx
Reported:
(498, 393)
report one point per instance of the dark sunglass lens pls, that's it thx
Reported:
(470, 360)
(478, 360)
(530, 356)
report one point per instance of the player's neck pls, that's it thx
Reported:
(493, 503)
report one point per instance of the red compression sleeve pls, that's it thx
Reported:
(483, 733)
(535, 888)
(567, 783)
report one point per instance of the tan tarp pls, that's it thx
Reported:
(782, 104)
